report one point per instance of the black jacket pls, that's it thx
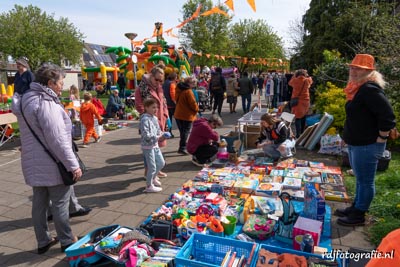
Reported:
(279, 133)
(368, 113)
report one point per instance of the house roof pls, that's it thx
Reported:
(94, 55)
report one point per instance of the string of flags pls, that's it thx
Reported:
(215, 10)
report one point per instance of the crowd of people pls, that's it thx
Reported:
(159, 98)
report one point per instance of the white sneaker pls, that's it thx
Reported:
(156, 181)
(98, 139)
(85, 145)
(152, 189)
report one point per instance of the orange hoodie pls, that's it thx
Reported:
(87, 113)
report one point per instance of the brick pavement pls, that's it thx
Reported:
(113, 188)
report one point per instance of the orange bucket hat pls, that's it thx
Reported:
(363, 61)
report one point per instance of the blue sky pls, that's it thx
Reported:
(105, 22)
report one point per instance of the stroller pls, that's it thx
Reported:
(204, 99)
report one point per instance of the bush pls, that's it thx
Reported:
(332, 100)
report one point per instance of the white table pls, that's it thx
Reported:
(6, 119)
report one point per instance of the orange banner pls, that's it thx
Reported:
(252, 4)
(214, 10)
(229, 3)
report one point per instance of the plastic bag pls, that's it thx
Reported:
(331, 145)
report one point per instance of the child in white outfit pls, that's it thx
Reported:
(151, 134)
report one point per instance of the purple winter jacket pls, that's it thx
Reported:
(52, 125)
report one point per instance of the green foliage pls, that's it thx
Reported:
(29, 32)
(332, 100)
(385, 208)
(333, 69)
(206, 34)
(255, 39)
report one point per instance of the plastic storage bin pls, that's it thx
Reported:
(280, 250)
(79, 254)
(206, 250)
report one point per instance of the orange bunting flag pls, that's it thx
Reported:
(159, 49)
(252, 4)
(197, 12)
(245, 60)
(216, 56)
(200, 54)
(180, 52)
(170, 51)
(149, 47)
(223, 58)
(190, 54)
(208, 55)
(215, 10)
(183, 23)
(229, 3)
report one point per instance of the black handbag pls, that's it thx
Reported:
(67, 176)
(294, 101)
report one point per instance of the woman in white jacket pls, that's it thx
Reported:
(47, 118)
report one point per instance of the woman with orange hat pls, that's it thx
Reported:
(369, 118)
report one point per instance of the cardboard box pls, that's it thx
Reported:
(303, 226)
(269, 189)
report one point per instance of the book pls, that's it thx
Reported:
(226, 258)
(331, 178)
(333, 187)
(292, 183)
(315, 164)
(312, 177)
(236, 262)
(232, 259)
(336, 196)
(242, 261)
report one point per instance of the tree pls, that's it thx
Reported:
(205, 34)
(29, 32)
(255, 39)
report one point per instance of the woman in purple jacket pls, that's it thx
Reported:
(47, 118)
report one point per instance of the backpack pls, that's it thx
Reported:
(284, 231)
(216, 83)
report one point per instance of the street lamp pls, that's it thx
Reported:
(131, 36)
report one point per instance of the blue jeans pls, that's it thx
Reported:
(364, 161)
(154, 161)
(272, 151)
(246, 107)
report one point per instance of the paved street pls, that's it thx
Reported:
(113, 188)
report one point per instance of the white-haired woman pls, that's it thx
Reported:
(369, 118)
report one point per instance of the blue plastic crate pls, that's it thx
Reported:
(281, 250)
(206, 250)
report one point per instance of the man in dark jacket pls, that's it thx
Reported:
(217, 87)
(245, 90)
(23, 77)
(121, 84)
(202, 143)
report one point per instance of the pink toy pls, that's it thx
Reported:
(222, 150)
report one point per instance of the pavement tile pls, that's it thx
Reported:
(356, 239)
(148, 209)
(4, 209)
(104, 217)
(17, 257)
(131, 208)
(130, 220)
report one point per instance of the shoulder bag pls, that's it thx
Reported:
(294, 101)
(67, 176)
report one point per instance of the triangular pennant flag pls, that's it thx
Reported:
(159, 49)
(229, 3)
(252, 4)
(215, 10)
(149, 47)
(180, 53)
(170, 51)
(208, 55)
(216, 56)
(197, 12)
(245, 60)
(200, 54)
(223, 58)
(183, 23)
(190, 54)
